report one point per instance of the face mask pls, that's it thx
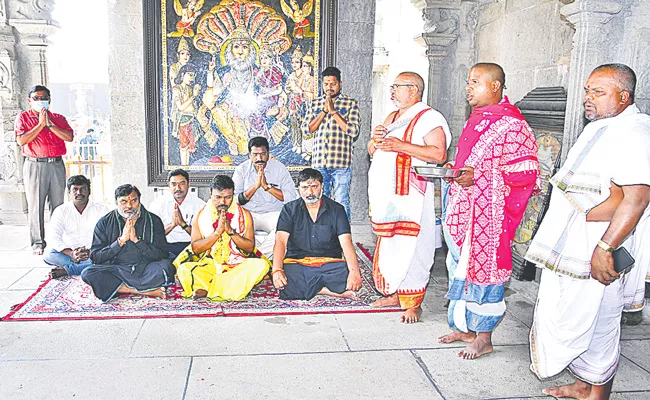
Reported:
(38, 105)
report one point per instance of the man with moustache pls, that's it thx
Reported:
(401, 202)
(221, 263)
(177, 209)
(497, 154)
(333, 120)
(71, 230)
(263, 186)
(313, 235)
(42, 135)
(129, 251)
(598, 200)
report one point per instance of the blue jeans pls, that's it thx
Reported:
(64, 261)
(340, 178)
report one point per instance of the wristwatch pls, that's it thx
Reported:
(184, 226)
(605, 246)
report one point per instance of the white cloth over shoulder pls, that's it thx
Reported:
(403, 259)
(612, 150)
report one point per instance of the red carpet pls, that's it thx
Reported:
(72, 299)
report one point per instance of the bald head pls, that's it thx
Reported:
(494, 72)
(414, 79)
(623, 76)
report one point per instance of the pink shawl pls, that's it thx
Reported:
(498, 143)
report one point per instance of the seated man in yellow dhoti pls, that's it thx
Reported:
(219, 262)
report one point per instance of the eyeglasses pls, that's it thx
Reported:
(40, 98)
(395, 85)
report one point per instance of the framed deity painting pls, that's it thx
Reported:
(220, 72)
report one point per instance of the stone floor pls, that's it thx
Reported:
(357, 356)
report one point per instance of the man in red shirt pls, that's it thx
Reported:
(42, 134)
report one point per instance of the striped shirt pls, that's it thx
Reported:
(333, 145)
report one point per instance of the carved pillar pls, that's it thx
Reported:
(440, 31)
(437, 50)
(24, 27)
(590, 18)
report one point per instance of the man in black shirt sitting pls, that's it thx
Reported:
(312, 234)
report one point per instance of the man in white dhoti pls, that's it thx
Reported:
(598, 199)
(634, 288)
(401, 202)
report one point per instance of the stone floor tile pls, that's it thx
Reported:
(631, 396)
(385, 331)
(363, 375)
(504, 373)
(637, 351)
(99, 339)
(641, 331)
(32, 280)
(9, 276)
(630, 377)
(389, 333)
(9, 298)
(20, 259)
(159, 378)
(14, 237)
(240, 335)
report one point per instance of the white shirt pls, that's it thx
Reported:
(68, 229)
(164, 208)
(277, 175)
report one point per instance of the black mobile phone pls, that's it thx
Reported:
(623, 260)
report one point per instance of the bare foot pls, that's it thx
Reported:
(577, 389)
(480, 346)
(58, 273)
(411, 315)
(350, 295)
(456, 336)
(160, 293)
(37, 252)
(389, 301)
(199, 294)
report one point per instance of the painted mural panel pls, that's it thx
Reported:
(232, 70)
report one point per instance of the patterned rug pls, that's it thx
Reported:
(72, 299)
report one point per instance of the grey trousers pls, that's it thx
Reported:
(42, 181)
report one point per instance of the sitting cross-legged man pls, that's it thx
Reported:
(70, 232)
(221, 263)
(177, 209)
(129, 251)
(312, 234)
(261, 172)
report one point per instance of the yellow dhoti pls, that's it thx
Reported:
(232, 283)
(224, 271)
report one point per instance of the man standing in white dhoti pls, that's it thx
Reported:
(597, 202)
(401, 202)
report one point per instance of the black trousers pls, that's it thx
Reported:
(175, 248)
(106, 279)
(303, 283)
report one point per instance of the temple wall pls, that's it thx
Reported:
(126, 87)
(529, 39)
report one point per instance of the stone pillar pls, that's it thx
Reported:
(440, 31)
(590, 18)
(24, 28)
(355, 34)
(437, 50)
